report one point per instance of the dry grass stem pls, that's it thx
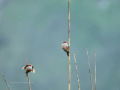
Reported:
(28, 78)
(6, 82)
(69, 40)
(89, 70)
(95, 70)
(77, 72)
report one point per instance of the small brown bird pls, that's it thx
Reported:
(28, 68)
(65, 47)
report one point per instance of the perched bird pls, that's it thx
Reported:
(28, 68)
(65, 47)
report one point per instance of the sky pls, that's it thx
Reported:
(36, 29)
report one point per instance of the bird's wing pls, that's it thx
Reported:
(33, 70)
(68, 48)
(24, 67)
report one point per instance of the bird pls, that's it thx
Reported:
(65, 47)
(28, 68)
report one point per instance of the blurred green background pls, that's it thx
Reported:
(35, 29)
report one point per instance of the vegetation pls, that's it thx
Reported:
(36, 29)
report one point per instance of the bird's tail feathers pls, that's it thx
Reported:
(26, 73)
(67, 53)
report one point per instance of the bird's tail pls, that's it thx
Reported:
(26, 73)
(67, 53)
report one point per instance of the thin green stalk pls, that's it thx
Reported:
(69, 39)
(77, 72)
(89, 70)
(95, 70)
(28, 78)
(6, 82)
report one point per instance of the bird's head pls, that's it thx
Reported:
(64, 42)
(30, 65)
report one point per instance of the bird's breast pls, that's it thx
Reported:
(29, 68)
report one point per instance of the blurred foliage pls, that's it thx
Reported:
(35, 30)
